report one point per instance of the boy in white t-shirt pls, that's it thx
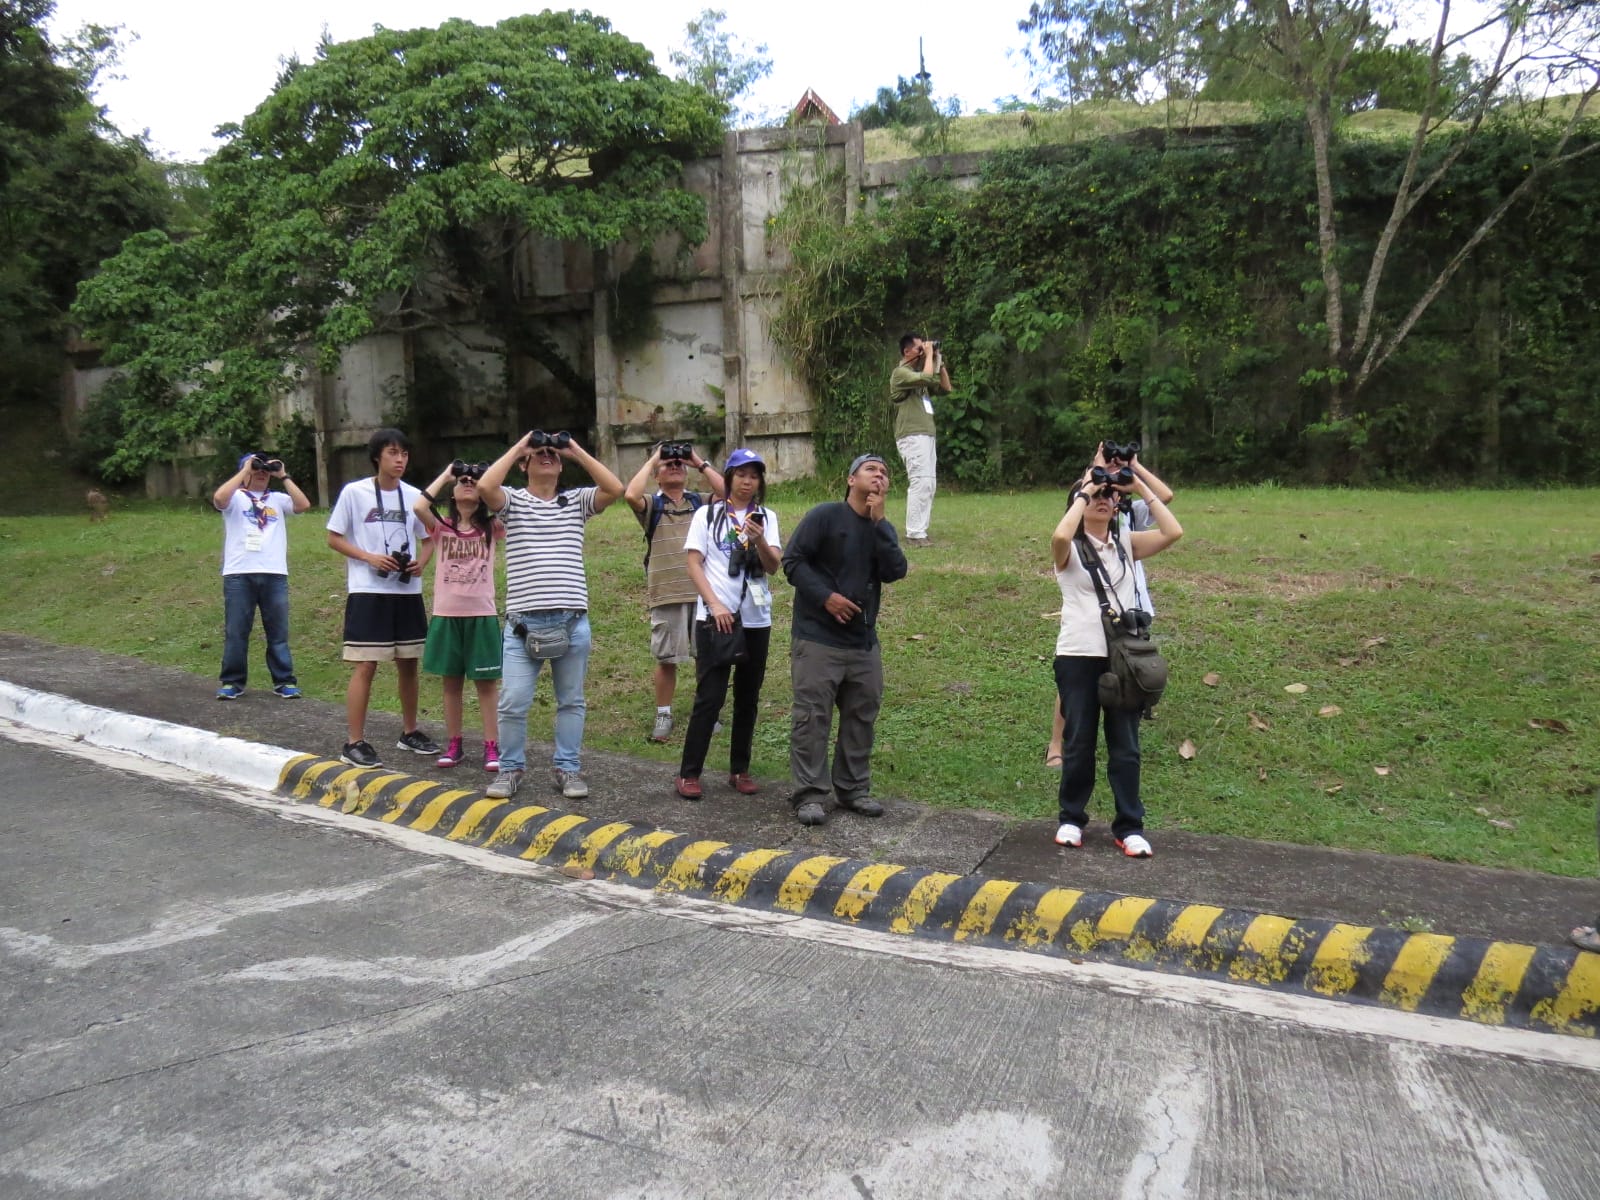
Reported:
(255, 571)
(372, 524)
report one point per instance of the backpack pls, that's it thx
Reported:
(657, 506)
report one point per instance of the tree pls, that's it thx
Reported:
(387, 186)
(1314, 49)
(719, 64)
(71, 188)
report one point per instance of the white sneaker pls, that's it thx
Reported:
(1134, 846)
(1069, 835)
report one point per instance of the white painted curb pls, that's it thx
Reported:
(248, 764)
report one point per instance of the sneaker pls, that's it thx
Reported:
(360, 754)
(229, 691)
(505, 785)
(286, 691)
(662, 729)
(452, 755)
(716, 727)
(418, 743)
(811, 813)
(491, 755)
(863, 806)
(1069, 835)
(688, 786)
(1135, 846)
(744, 783)
(572, 784)
(919, 542)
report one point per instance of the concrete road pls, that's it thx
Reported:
(206, 997)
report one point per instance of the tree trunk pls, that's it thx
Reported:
(1486, 335)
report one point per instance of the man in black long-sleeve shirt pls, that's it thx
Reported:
(838, 559)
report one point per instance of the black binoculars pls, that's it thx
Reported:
(265, 464)
(1133, 620)
(402, 561)
(466, 470)
(539, 439)
(1121, 477)
(677, 451)
(1122, 451)
(745, 560)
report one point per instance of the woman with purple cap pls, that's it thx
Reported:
(732, 549)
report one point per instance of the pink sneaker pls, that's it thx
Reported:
(452, 753)
(491, 756)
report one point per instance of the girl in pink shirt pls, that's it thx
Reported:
(464, 632)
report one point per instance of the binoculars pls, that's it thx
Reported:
(402, 560)
(1114, 450)
(683, 451)
(539, 439)
(466, 470)
(1121, 477)
(265, 464)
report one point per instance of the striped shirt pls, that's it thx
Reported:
(544, 549)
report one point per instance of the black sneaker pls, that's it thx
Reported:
(864, 806)
(418, 743)
(811, 813)
(360, 754)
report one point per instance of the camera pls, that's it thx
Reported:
(1122, 451)
(677, 450)
(1134, 620)
(466, 470)
(934, 346)
(539, 439)
(1121, 477)
(402, 560)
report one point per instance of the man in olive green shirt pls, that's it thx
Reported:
(921, 372)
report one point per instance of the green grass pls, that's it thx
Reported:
(1439, 624)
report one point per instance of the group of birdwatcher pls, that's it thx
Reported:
(712, 552)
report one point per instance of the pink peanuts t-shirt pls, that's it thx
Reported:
(463, 572)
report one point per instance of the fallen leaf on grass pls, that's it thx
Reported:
(1329, 710)
(1380, 770)
(1498, 824)
(1482, 812)
(1550, 723)
(1295, 689)
(1211, 679)
(1186, 749)
(1370, 642)
(1348, 662)
(1261, 774)
(1335, 789)
(1259, 724)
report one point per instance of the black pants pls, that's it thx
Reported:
(1077, 683)
(711, 689)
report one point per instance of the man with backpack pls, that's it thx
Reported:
(669, 592)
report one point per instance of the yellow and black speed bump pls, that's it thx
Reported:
(1496, 983)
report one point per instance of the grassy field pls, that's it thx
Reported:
(1445, 642)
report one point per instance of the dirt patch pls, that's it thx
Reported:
(1292, 585)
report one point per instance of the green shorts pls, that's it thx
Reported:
(463, 647)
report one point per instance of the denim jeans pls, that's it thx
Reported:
(519, 674)
(241, 596)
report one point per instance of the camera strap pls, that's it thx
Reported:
(383, 526)
(1111, 605)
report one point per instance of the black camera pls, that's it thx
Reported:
(402, 562)
(1124, 452)
(671, 451)
(1121, 477)
(466, 470)
(539, 439)
(1134, 620)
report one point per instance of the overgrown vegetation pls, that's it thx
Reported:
(1443, 639)
(1163, 287)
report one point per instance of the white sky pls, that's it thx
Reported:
(195, 66)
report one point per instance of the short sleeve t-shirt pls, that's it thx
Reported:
(463, 572)
(667, 577)
(544, 549)
(716, 530)
(254, 540)
(913, 404)
(358, 517)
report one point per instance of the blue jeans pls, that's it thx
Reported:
(519, 674)
(241, 596)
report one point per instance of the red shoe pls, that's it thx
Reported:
(744, 783)
(688, 787)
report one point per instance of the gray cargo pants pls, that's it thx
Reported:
(825, 677)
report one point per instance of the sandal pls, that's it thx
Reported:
(1585, 937)
(1053, 761)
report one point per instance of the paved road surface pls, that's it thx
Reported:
(200, 998)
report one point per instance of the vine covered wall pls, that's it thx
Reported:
(1167, 289)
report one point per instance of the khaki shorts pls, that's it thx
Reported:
(672, 633)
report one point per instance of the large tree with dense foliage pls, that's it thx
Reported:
(387, 186)
(71, 188)
(1320, 54)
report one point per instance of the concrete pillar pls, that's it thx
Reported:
(730, 202)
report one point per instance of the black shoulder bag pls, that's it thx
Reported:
(714, 649)
(1136, 674)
